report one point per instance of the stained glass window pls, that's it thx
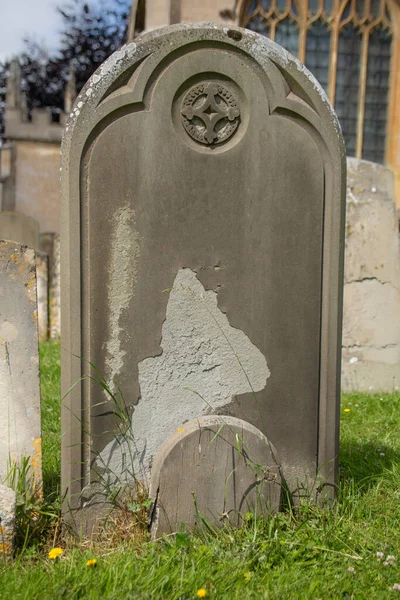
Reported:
(347, 45)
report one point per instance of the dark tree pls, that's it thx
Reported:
(91, 31)
(3, 79)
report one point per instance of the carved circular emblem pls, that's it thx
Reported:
(210, 113)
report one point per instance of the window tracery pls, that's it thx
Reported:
(347, 44)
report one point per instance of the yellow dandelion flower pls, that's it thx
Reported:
(92, 562)
(180, 429)
(55, 553)
(201, 593)
(346, 410)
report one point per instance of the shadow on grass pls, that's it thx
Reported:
(366, 462)
(51, 484)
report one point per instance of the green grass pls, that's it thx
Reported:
(302, 556)
(50, 394)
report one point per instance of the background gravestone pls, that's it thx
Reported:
(371, 309)
(42, 278)
(19, 227)
(20, 428)
(202, 250)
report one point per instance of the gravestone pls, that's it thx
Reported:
(371, 303)
(19, 363)
(232, 454)
(50, 244)
(7, 521)
(203, 181)
(42, 277)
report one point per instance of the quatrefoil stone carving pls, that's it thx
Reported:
(210, 113)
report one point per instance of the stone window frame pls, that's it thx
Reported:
(341, 14)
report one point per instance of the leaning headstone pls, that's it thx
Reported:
(203, 180)
(232, 454)
(7, 521)
(20, 429)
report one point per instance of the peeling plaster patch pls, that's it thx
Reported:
(122, 275)
(204, 364)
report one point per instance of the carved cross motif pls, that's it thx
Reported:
(210, 113)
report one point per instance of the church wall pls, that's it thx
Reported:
(37, 175)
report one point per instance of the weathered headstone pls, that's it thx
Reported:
(371, 312)
(20, 429)
(233, 455)
(7, 521)
(203, 182)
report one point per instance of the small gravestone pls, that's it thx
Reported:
(20, 429)
(232, 454)
(203, 182)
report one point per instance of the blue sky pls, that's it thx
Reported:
(21, 18)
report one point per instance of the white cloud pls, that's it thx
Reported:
(27, 18)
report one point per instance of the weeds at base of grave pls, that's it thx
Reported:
(305, 553)
(129, 520)
(37, 519)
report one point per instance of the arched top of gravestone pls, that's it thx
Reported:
(124, 83)
(206, 153)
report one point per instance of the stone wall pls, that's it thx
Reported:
(166, 12)
(206, 10)
(371, 320)
(37, 190)
(20, 228)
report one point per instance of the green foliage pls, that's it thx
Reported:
(309, 554)
(38, 516)
(50, 394)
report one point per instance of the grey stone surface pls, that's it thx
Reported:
(42, 277)
(7, 521)
(207, 159)
(213, 470)
(204, 362)
(20, 429)
(50, 244)
(55, 292)
(371, 319)
(17, 227)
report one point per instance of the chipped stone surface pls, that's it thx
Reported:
(371, 320)
(205, 363)
(20, 430)
(7, 521)
(216, 469)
